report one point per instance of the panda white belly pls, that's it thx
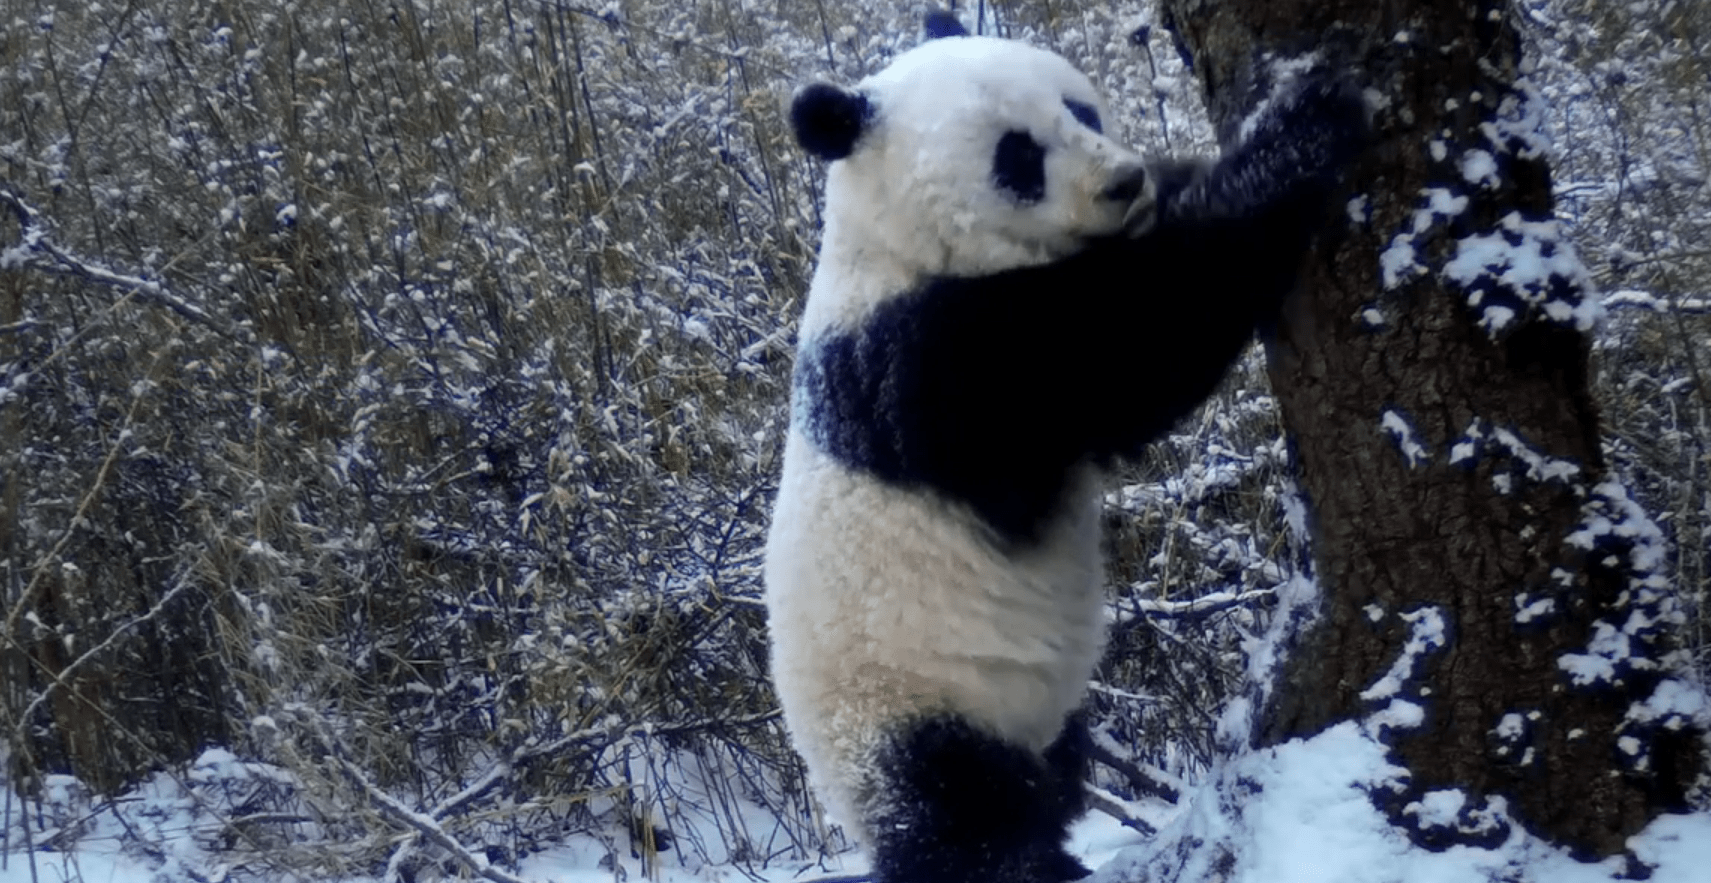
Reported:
(890, 604)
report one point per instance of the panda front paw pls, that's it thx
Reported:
(1167, 178)
(1309, 127)
(1331, 109)
(1314, 114)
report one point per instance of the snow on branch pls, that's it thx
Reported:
(1115, 807)
(1645, 300)
(36, 250)
(61, 678)
(425, 825)
(42, 566)
(1204, 605)
(430, 825)
(1101, 749)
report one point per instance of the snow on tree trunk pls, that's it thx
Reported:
(1493, 607)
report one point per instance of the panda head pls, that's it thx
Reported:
(967, 155)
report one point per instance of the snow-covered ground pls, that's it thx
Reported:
(1309, 815)
(163, 831)
(1096, 840)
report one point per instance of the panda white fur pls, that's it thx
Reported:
(1006, 301)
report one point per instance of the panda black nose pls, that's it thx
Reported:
(1128, 185)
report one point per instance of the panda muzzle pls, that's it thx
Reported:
(1129, 185)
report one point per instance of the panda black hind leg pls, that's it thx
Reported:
(1067, 757)
(964, 806)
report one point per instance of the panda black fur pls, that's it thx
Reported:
(1006, 301)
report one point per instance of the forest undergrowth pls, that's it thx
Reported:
(392, 393)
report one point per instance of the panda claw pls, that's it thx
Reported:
(1140, 218)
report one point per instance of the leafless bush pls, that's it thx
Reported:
(1633, 137)
(393, 392)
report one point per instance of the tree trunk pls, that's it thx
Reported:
(1490, 600)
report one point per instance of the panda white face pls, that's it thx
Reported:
(966, 156)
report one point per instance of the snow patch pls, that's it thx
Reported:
(1673, 704)
(1607, 648)
(1437, 808)
(1480, 437)
(1400, 714)
(1524, 266)
(1625, 638)
(1426, 633)
(1464, 449)
(1529, 608)
(1540, 467)
(1399, 261)
(1308, 811)
(1359, 209)
(1518, 127)
(1402, 431)
(1479, 168)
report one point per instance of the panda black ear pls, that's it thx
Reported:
(941, 23)
(829, 120)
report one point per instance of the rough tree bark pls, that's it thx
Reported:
(1433, 376)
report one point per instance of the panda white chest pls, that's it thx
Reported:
(888, 602)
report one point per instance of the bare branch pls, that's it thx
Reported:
(424, 825)
(1138, 777)
(63, 675)
(36, 250)
(1113, 806)
(1205, 605)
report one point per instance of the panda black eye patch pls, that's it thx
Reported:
(1019, 166)
(1084, 114)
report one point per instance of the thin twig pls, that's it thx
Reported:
(42, 565)
(36, 250)
(1111, 805)
(423, 824)
(59, 678)
(1205, 605)
(1138, 777)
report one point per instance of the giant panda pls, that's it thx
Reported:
(1006, 301)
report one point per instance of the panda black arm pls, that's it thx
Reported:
(990, 389)
(1287, 161)
(1223, 249)
(1128, 336)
